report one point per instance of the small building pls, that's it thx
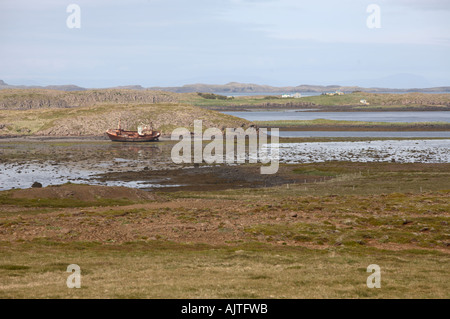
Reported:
(295, 96)
(364, 102)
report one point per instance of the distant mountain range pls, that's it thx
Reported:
(235, 87)
(67, 88)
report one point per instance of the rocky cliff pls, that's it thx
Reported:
(23, 99)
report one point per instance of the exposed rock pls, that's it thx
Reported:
(36, 185)
(34, 98)
(406, 222)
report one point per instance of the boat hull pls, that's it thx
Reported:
(125, 136)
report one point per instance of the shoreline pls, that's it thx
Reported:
(325, 108)
(349, 125)
(68, 139)
(96, 139)
(351, 128)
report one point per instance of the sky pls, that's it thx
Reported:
(273, 42)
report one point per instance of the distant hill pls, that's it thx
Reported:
(235, 87)
(129, 87)
(69, 87)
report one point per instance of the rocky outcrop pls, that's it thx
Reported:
(94, 121)
(35, 99)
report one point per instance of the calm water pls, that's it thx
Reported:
(427, 116)
(445, 134)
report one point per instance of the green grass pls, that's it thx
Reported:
(5, 199)
(13, 267)
(318, 172)
(376, 100)
(337, 123)
(349, 99)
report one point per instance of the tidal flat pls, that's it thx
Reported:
(149, 165)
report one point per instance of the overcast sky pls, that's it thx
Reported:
(275, 42)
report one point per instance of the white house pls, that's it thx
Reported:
(295, 96)
(363, 101)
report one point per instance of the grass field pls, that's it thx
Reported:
(313, 239)
(378, 101)
(167, 270)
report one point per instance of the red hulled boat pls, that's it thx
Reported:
(145, 133)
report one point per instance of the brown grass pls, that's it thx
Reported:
(312, 240)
